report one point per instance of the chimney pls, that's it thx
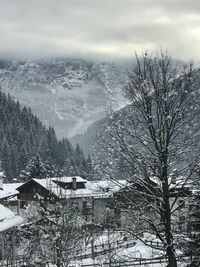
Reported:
(173, 179)
(74, 183)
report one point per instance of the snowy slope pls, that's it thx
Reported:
(69, 94)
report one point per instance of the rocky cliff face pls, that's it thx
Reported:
(69, 94)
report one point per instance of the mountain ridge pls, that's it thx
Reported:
(69, 94)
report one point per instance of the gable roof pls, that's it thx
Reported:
(54, 188)
(96, 189)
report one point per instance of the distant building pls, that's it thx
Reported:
(91, 197)
(8, 192)
(130, 197)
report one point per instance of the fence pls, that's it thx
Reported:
(125, 263)
(22, 261)
(102, 249)
(132, 262)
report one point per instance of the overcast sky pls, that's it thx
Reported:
(100, 28)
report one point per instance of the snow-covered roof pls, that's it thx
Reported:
(69, 179)
(9, 190)
(51, 185)
(107, 185)
(179, 182)
(8, 219)
(97, 189)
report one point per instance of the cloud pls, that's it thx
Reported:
(100, 28)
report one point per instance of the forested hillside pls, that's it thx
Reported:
(109, 161)
(25, 142)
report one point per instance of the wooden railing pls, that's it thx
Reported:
(132, 262)
(102, 249)
(22, 261)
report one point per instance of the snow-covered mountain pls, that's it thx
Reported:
(69, 94)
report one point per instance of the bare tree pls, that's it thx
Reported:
(155, 140)
(53, 233)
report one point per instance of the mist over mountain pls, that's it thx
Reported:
(89, 141)
(69, 94)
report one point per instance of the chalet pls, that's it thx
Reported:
(90, 197)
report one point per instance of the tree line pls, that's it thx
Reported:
(28, 148)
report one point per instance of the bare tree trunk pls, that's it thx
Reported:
(170, 250)
(171, 257)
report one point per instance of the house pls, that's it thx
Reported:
(96, 200)
(133, 196)
(90, 197)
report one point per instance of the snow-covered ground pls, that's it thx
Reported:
(122, 249)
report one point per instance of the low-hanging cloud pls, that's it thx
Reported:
(100, 28)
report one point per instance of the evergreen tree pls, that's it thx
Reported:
(7, 162)
(23, 137)
(70, 168)
(87, 170)
(22, 157)
(34, 169)
(52, 170)
(52, 144)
